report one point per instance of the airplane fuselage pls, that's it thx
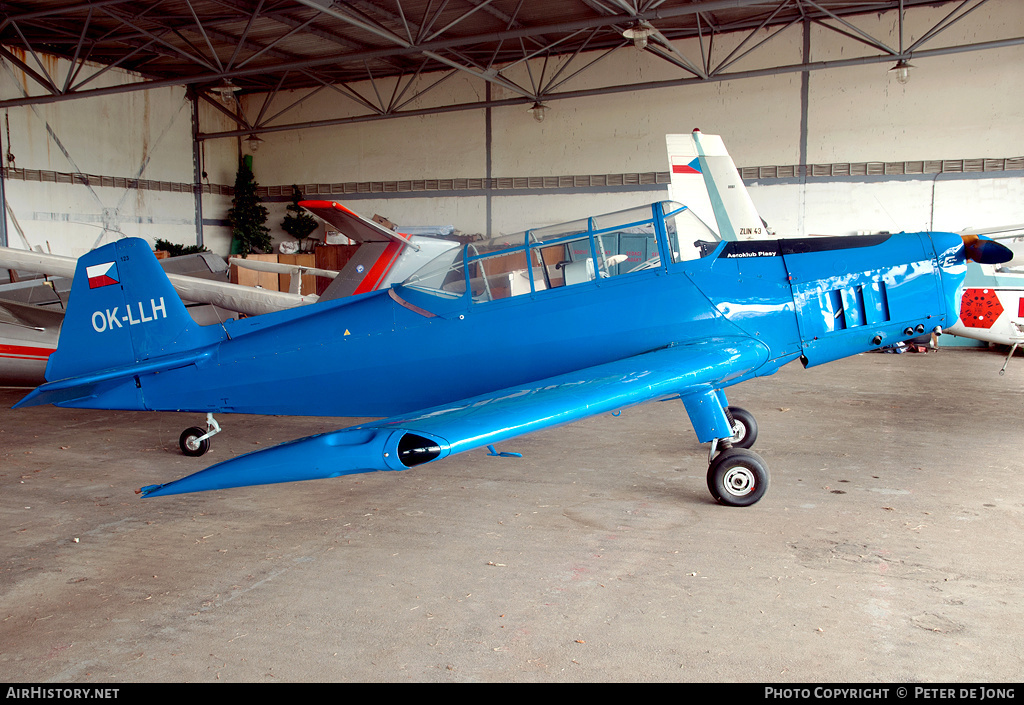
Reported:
(503, 337)
(815, 299)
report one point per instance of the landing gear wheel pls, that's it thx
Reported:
(711, 486)
(744, 427)
(189, 444)
(738, 477)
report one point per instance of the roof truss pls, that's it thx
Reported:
(382, 56)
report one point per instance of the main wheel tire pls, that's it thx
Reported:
(744, 427)
(738, 477)
(711, 486)
(190, 446)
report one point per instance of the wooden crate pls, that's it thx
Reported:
(331, 257)
(247, 277)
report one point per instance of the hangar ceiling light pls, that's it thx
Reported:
(639, 33)
(901, 70)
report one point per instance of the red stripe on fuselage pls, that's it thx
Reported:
(22, 352)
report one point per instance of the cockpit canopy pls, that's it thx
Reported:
(570, 253)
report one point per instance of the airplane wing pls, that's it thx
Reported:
(29, 316)
(1004, 232)
(295, 273)
(691, 372)
(40, 262)
(352, 225)
(244, 299)
(235, 297)
(28, 336)
(281, 268)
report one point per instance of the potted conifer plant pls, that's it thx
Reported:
(248, 216)
(297, 222)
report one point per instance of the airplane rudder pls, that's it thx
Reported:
(145, 281)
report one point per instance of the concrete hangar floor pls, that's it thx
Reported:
(889, 547)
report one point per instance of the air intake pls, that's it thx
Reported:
(415, 450)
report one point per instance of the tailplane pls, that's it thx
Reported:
(705, 179)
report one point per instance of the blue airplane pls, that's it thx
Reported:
(502, 337)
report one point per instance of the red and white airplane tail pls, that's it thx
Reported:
(384, 257)
(705, 179)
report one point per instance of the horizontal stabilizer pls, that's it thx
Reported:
(352, 225)
(414, 439)
(91, 385)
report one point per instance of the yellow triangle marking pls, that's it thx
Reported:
(346, 332)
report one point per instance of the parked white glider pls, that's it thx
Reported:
(244, 299)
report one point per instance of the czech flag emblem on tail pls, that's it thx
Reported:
(102, 275)
(691, 168)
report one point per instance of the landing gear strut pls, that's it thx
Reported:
(195, 441)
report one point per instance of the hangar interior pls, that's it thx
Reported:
(129, 119)
(342, 104)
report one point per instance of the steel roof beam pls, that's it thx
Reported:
(674, 83)
(402, 48)
(945, 23)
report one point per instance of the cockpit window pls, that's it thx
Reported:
(497, 271)
(688, 236)
(600, 247)
(444, 275)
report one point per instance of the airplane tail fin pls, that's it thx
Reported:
(122, 311)
(705, 179)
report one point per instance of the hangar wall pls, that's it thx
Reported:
(955, 107)
(959, 106)
(87, 171)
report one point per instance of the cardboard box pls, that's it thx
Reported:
(381, 220)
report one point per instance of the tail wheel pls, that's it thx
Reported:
(191, 445)
(738, 477)
(744, 427)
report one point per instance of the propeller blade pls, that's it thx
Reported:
(985, 251)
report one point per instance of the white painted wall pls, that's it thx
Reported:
(850, 207)
(956, 106)
(144, 134)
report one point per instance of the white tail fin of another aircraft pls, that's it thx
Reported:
(705, 179)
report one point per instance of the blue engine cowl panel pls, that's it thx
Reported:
(858, 293)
